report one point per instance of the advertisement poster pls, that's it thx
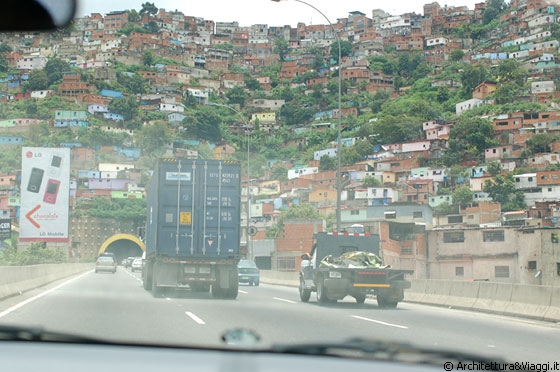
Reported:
(45, 194)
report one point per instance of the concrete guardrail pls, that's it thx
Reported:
(529, 301)
(18, 279)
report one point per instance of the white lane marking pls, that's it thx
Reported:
(31, 299)
(284, 300)
(195, 318)
(379, 322)
(240, 291)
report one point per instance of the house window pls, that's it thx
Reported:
(354, 213)
(501, 271)
(493, 236)
(406, 250)
(459, 271)
(558, 268)
(286, 263)
(390, 214)
(454, 237)
(417, 214)
(455, 219)
(532, 265)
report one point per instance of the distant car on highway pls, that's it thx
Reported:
(137, 264)
(129, 261)
(110, 254)
(106, 263)
(248, 272)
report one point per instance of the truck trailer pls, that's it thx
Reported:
(193, 226)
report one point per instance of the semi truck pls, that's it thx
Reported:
(193, 226)
(348, 264)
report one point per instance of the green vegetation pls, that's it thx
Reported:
(35, 254)
(120, 209)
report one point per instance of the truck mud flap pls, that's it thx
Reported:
(400, 284)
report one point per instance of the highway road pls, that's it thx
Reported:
(115, 307)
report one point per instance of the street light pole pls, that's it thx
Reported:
(339, 114)
(248, 212)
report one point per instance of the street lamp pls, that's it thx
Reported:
(248, 174)
(339, 139)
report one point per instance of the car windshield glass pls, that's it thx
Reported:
(276, 173)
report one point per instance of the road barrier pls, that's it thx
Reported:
(530, 301)
(524, 300)
(15, 280)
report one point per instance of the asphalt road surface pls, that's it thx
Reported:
(115, 307)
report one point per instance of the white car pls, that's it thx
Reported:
(137, 264)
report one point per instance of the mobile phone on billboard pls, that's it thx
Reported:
(54, 169)
(56, 160)
(51, 191)
(35, 180)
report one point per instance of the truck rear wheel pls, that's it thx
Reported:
(304, 294)
(147, 277)
(322, 293)
(229, 292)
(156, 291)
(386, 304)
(360, 298)
(233, 289)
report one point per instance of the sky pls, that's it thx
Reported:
(286, 12)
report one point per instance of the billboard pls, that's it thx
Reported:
(45, 194)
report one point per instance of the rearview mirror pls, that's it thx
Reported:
(36, 15)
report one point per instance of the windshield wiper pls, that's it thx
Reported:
(391, 351)
(14, 333)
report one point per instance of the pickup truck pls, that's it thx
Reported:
(348, 264)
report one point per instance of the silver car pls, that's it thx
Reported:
(137, 264)
(105, 263)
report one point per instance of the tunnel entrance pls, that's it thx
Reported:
(123, 246)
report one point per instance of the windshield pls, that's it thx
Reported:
(306, 171)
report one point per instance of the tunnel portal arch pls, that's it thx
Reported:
(123, 246)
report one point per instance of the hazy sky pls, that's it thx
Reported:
(249, 12)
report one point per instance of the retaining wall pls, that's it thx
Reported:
(16, 279)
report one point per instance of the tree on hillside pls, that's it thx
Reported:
(236, 96)
(204, 124)
(327, 163)
(463, 196)
(133, 15)
(540, 142)
(502, 190)
(37, 80)
(295, 211)
(281, 47)
(136, 83)
(149, 9)
(457, 55)
(345, 49)
(471, 76)
(492, 10)
(153, 139)
(371, 181)
(147, 58)
(509, 70)
(126, 106)
(395, 129)
(54, 69)
(468, 139)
